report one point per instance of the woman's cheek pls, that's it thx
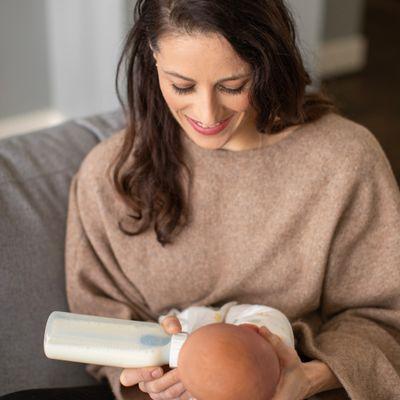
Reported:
(174, 103)
(240, 103)
(167, 92)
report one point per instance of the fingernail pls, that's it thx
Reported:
(156, 373)
(122, 379)
(172, 325)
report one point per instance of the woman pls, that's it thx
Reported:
(231, 183)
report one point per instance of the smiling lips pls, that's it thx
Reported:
(217, 128)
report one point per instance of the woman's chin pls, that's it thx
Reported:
(208, 143)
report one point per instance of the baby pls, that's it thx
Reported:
(224, 356)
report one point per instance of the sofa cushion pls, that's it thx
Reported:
(35, 173)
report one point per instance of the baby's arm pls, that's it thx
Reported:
(195, 317)
(261, 315)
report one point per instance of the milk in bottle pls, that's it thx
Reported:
(110, 341)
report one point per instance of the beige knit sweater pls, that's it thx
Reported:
(309, 225)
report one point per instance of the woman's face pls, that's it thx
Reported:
(203, 79)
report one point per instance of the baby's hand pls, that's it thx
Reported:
(168, 385)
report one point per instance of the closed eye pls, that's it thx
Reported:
(221, 88)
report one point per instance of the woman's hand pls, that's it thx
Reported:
(294, 382)
(166, 385)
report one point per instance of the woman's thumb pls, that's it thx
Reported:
(132, 376)
(284, 352)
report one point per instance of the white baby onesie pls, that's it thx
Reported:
(195, 317)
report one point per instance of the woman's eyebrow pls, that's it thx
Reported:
(230, 78)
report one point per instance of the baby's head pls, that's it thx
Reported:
(228, 362)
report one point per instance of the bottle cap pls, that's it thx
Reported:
(177, 341)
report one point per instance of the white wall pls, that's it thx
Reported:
(309, 18)
(330, 32)
(24, 70)
(58, 60)
(345, 46)
(85, 39)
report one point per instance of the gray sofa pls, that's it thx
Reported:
(35, 172)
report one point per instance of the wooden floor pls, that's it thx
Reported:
(372, 97)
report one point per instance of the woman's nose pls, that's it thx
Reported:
(208, 109)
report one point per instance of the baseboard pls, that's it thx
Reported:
(342, 56)
(30, 121)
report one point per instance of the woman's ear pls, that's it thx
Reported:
(154, 53)
(151, 48)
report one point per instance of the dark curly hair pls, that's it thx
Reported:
(149, 169)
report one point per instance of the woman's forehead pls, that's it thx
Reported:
(200, 52)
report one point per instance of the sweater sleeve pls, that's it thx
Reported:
(359, 338)
(91, 287)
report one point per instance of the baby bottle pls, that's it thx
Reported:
(113, 342)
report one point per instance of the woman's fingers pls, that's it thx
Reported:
(250, 326)
(186, 396)
(171, 324)
(168, 387)
(174, 392)
(132, 376)
(162, 384)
